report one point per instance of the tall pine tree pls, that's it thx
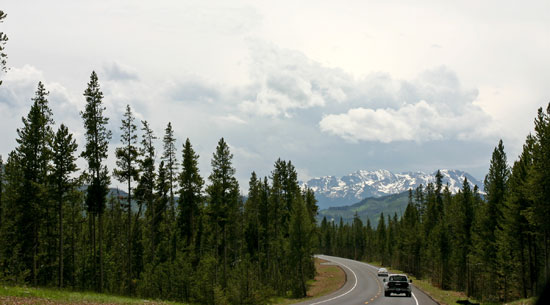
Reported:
(97, 176)
(34, 155)
(127, 171)
(64, 159)
(190, 195)
(223, 204)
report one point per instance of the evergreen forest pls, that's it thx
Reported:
(174, 234)
(492, 245)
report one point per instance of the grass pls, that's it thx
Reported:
(530, 301)
(449, 297)
(329, 278)
(26, 295)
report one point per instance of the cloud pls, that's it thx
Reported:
(376, 107)
(434, 106)
(285, 81)
(194, 91)
(115, 71)
(418, 122)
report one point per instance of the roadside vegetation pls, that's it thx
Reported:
(28, 295)
(491, 246)
(450, 297)
(329, 279)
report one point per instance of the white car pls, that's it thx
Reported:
(382, 272)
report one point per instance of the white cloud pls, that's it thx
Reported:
(376, 107)
(418, 122)
(284, 81)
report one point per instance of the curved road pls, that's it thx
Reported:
(364, 287)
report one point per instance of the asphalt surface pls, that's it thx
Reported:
(364, 287)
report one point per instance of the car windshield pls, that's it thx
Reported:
(398, 278)
(382, 270)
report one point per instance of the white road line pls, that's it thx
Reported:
(415, 299)
(339, 296)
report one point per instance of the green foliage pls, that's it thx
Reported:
(63, 184)
(127, 171)
(97, 176)
(170, 161)
(493, 248)
(190, 196)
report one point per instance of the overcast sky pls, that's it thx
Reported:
(334, 86)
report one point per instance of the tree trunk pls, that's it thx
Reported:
(35, 254)
(546, 278)
(129, 250)
(522, 263)
(100, 222)
(61, 241)
(94, 255)
(72, 247)
(224, 257)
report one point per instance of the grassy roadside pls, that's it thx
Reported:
(46, 296)
(329, 279)
(449, 297)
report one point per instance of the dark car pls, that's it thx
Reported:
(397, 283)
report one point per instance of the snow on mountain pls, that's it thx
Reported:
(332, 191)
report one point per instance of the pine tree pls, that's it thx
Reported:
(300, 235)
(496, 189)
(252, 216)
(12, 262)
(190, 195)
(127, 171)
(159, 213)
(539, 190)
(358, 237)
(381, 238)
(95, 152)
(34, 154)
(145, 190)
(64, 149)
(170, 161)
(223, 203)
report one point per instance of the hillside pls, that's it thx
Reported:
(368, 208)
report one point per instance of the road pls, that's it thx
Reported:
(364, 287)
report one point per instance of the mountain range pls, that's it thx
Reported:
(331, 191)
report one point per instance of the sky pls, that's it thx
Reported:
(333, 86)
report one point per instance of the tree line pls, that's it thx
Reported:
(492, 246)
(173, 235)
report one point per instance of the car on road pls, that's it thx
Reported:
(383, 272)
(397, 283)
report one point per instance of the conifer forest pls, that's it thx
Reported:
(172, 232)
(494, 246)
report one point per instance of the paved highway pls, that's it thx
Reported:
(364, 287)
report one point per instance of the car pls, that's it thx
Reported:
(383, 272)
(397, 283)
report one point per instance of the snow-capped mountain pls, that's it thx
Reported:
(332, 191)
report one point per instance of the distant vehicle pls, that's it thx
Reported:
(397, 283)
(382, 272)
